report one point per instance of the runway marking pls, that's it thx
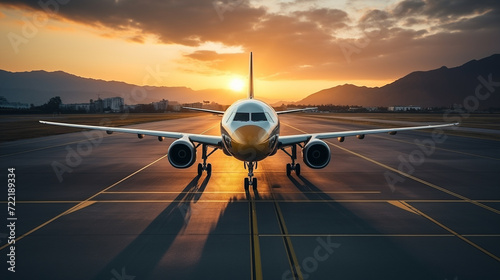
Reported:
(481, 235)
(45, 201)
(402, 205)
(29, 141)
(358, 235)
(375, 123)
(376, 235)
(69, 143)
(407, 175)
(230, 192)
(455, 233)
(451, 200)
(292, 257)
(81, 206)
(255, 258)
(82, 203)
(437, 148)
(262, 200)
(49, 147)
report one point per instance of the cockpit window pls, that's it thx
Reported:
(242, 117)
(259, 117)
(269, 118)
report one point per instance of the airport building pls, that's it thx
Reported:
(404, 108)
(113, 104)
(75, 107)
(161, 105)
(194, 105)
(14, 105)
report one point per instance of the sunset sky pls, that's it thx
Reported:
(299, 46)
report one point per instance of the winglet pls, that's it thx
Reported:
(250, 86)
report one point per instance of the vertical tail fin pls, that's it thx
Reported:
(250, 86)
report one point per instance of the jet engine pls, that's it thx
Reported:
(316, 154)
(181, 153)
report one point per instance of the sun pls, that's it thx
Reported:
(236, 84)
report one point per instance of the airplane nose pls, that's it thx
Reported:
(250, 143)
(250, 135)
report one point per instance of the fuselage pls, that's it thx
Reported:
(250, 129)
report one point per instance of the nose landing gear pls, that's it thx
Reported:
(250, 181)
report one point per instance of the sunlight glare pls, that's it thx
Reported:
(237, 84)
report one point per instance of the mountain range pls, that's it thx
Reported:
(434, 88)
(37, 87)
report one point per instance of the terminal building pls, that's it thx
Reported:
(404, 108)
(112, 104)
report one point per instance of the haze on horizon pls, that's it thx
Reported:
(299, 46)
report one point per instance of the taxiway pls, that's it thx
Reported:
(97, 206)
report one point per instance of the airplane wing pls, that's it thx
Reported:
(279, 112)
(215, 141)
(296, 110)
(204, 110)
(300, 138)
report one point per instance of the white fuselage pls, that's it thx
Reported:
(250, 129)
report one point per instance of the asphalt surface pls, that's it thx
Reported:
(409, 206)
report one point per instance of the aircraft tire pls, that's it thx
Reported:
(247, 183)
(209, 169)
(254, 183)
(297, 169)
(200, 169)
(288, 169)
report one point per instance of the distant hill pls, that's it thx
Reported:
(37, 87)
(439, 87)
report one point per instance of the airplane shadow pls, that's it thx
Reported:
(227, 243)
(309, 189)
(344, 219)
(255, 194)
(141, 255)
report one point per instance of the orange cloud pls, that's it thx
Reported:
(380, 44)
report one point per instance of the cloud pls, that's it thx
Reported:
(452, 9)
(185, 22)
(409, 8)
(297, 5)
(487, 21)
(328, 19)
(442, 14)
(380, 44)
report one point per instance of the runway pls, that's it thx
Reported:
(409, 206)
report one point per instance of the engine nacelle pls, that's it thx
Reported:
(181, 153)
(316, 154)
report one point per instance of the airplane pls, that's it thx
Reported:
(249, 132)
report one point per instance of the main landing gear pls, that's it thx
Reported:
(204, 156)
(292, 166)
(250, 181)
